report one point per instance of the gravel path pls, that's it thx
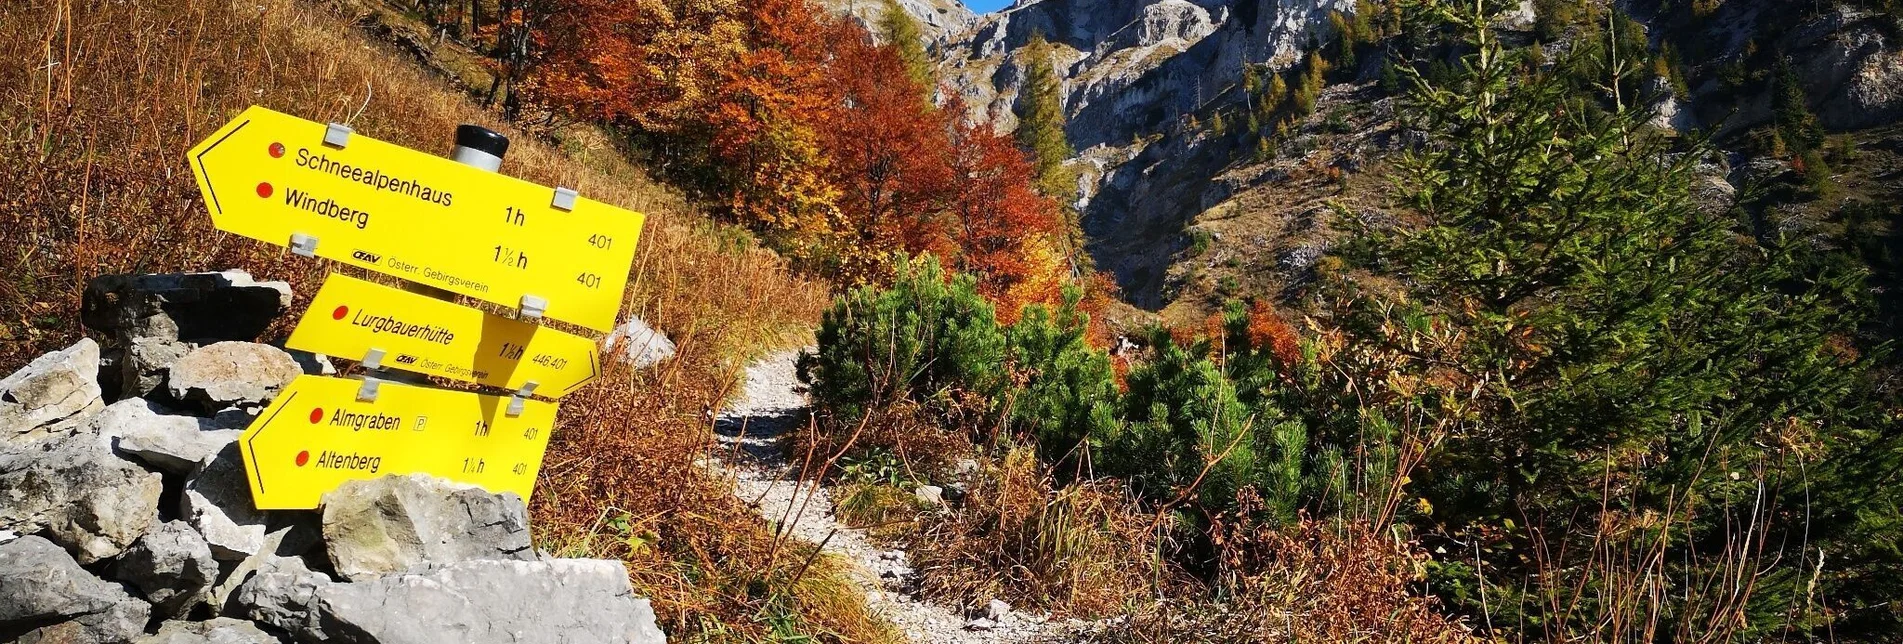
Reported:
(752, 428)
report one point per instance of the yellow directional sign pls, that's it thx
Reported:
(317, 435)
(424, 218)
(352, 318)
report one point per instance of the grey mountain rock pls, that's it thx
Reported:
(77, 493)
(937, 18)
(229, 305)
(1130, 67)
(396, 523)
(554, 601)
(47, 597)
(171, 566)
(52, 388)
(241, 572)
(314, 364)
(1851, 59)
(282, 594)
(641, 345)
(143, 363)
(217, 376)
(558, 600)
(222, 630)
(175, 444)
(997, 610)
(217, 502)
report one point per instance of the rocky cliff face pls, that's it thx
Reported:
(1849, 60)
(1129, 66)
(1137, 74)
(940, 18)
(1134, 73)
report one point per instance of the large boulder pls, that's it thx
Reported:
(77, 493)
(171, 566)
(53, 388)
(558, 600)
(395, 523)
(217, 503)
(46, 597)
(223, 630)
(175, 444)
(221, 375)
(183, 306)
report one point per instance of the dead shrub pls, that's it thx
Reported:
(1315, 582)
(925, 445)
(1083, 549)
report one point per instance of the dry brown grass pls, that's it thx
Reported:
(98, 103)
(1316, 582)
(1083, 549)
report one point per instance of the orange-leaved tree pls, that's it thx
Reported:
(800, 126)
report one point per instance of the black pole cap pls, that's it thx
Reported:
(477, 137)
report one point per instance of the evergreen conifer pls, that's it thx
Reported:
(901, 31)
(1041, 120)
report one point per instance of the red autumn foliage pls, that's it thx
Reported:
(806, 131)
(1267, 330)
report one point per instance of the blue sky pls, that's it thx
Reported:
(987, 6)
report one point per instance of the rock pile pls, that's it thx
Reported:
(133, 522)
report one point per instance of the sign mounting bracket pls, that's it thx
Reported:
(373, 359)
(564, 199)
(337, 135)
(517, 402)
(303, 245)
(533, 306)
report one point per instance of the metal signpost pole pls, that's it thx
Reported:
(476, 147)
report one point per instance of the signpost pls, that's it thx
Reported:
(388, 327)
(445, 225)
(317, 434)
(327, 192)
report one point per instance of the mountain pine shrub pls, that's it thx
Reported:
(932, 343)
(927, 338)
(1064, 391)
(1647, 427)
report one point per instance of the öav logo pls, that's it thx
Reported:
(367, 256)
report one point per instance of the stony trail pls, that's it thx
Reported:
(752, 428)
